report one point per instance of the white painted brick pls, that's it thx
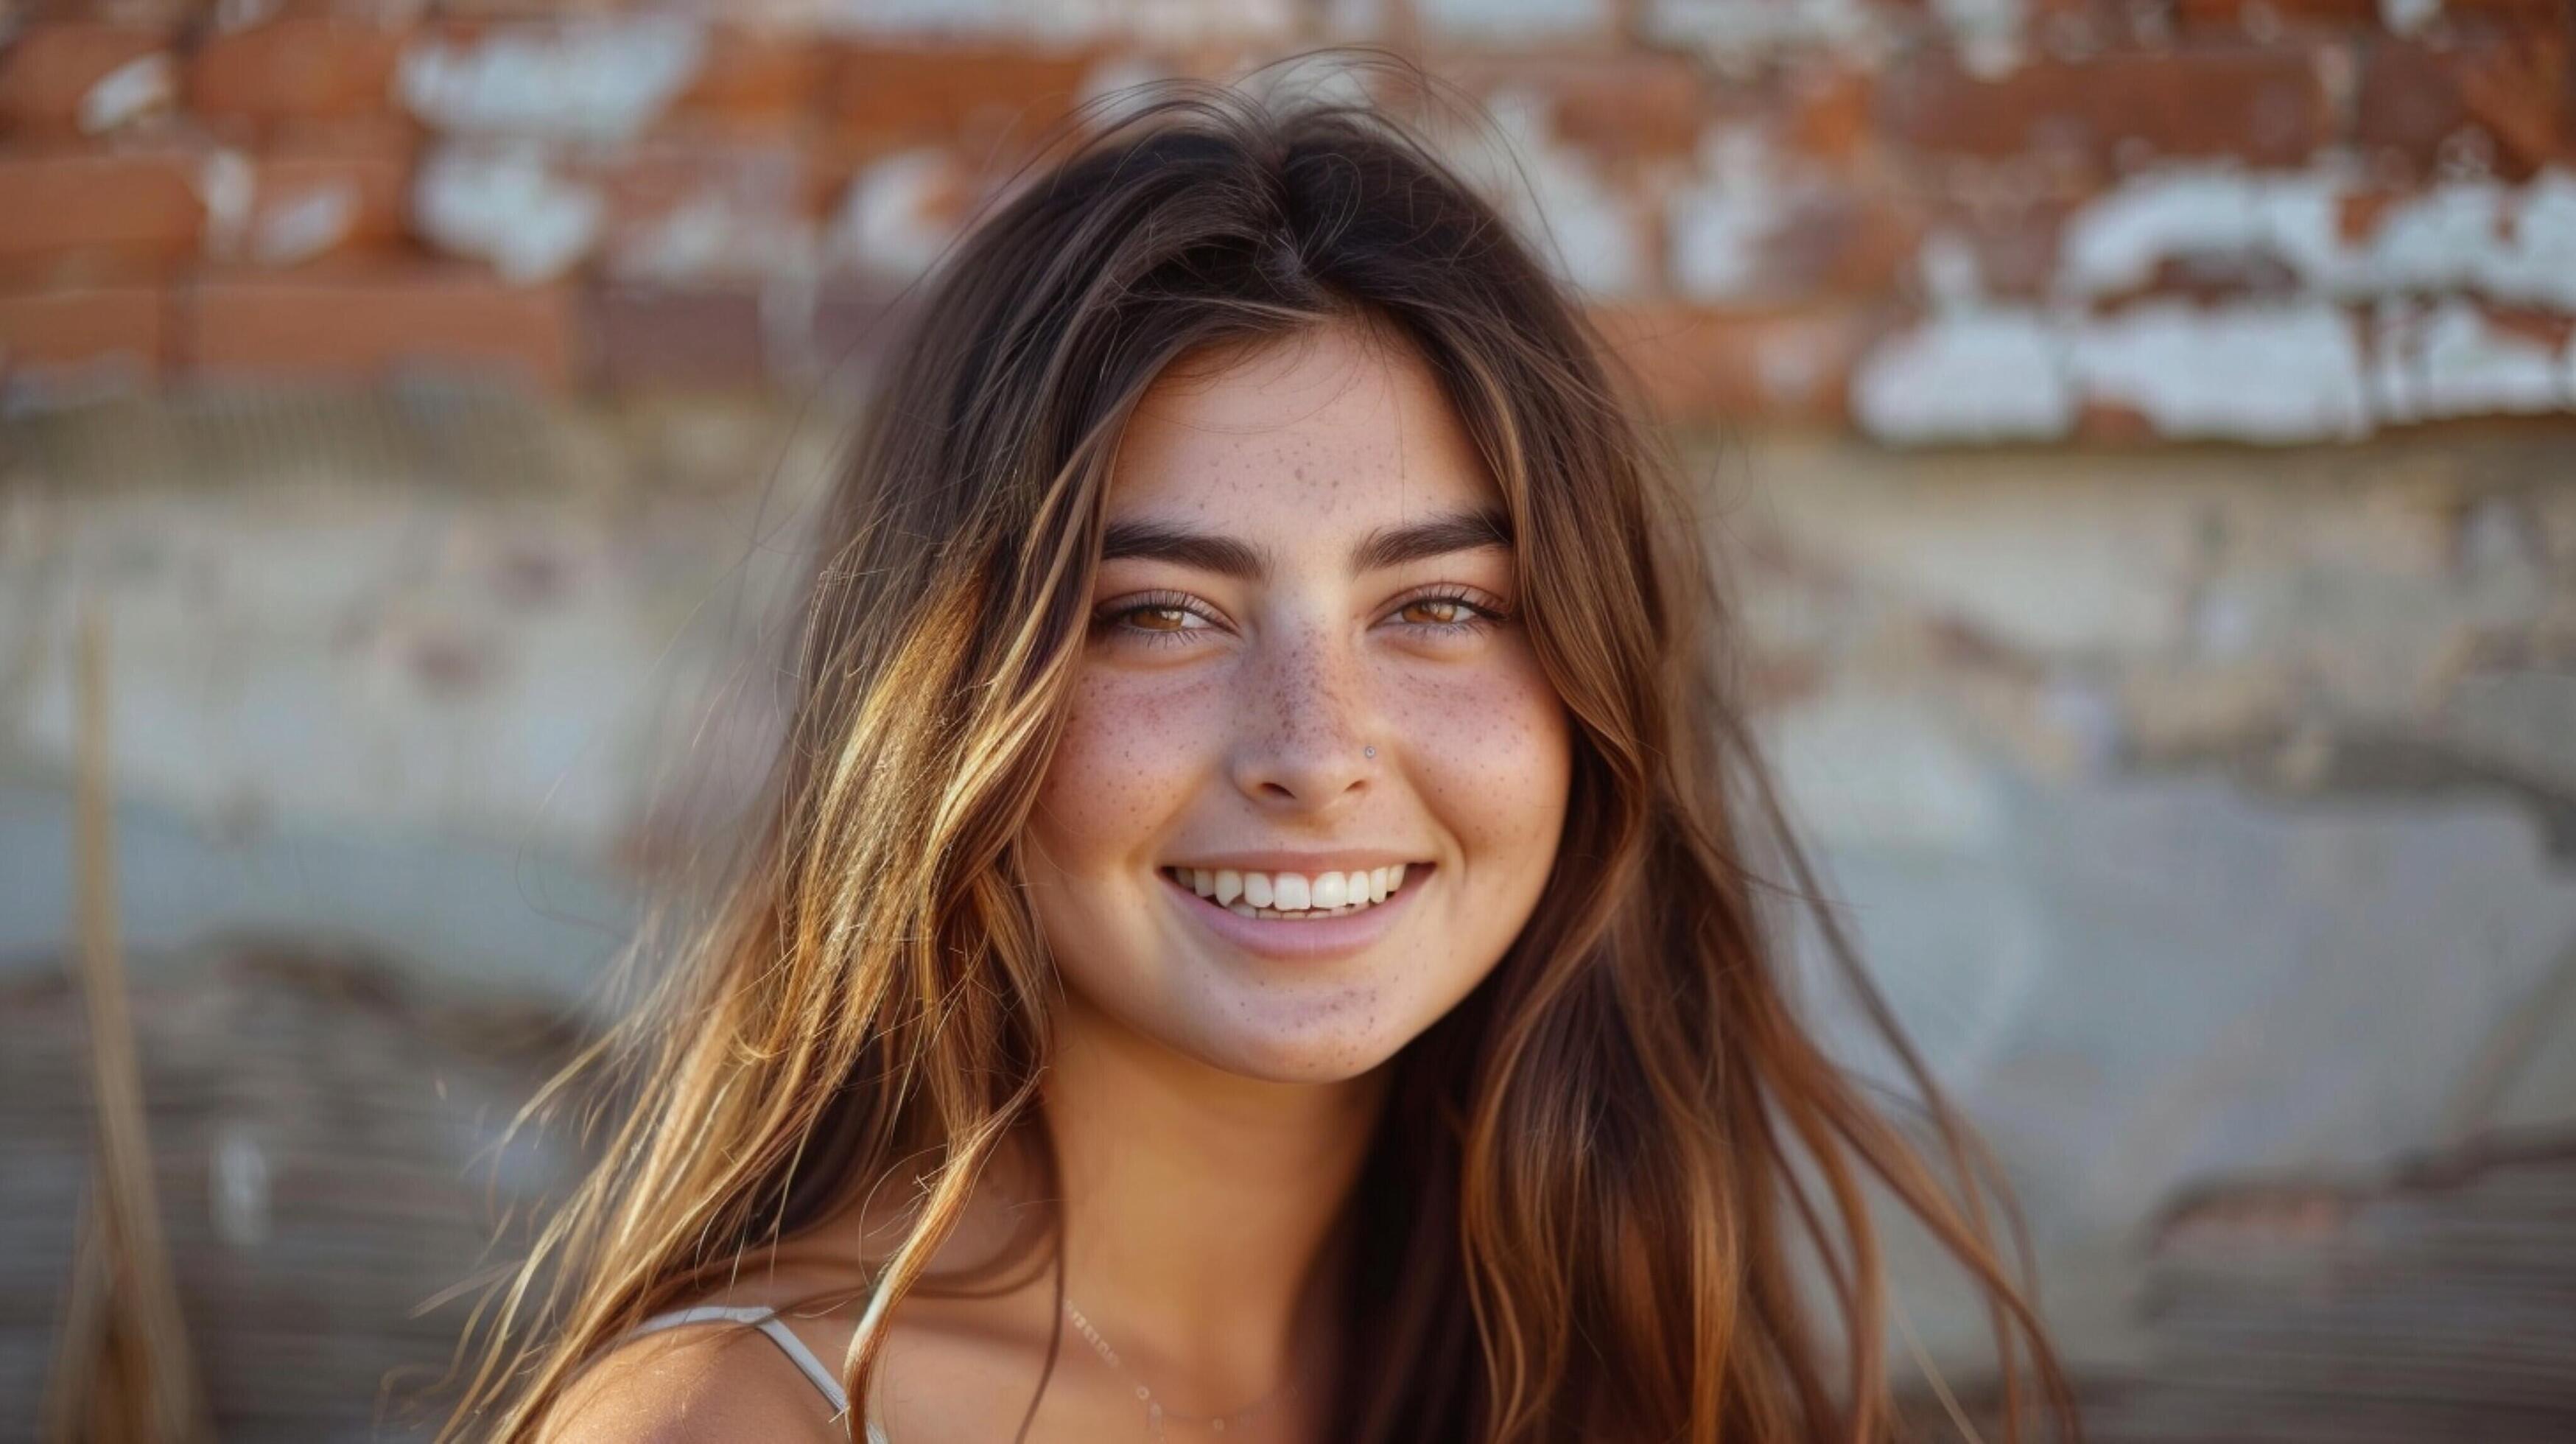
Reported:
(1738, 32)
(508, 205)
(1978, 376)
(892, 222)
(589, 80)
(2264, 373)
(2511, 244)
(1492, 22)
(2450, 360)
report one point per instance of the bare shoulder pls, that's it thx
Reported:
(697, 1382)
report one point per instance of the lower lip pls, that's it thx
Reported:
(1304, 939)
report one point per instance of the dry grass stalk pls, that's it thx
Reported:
(124, 1371)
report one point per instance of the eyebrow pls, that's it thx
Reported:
(1433, 536)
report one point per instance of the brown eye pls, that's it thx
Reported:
(1438, 612)
(1155, 621)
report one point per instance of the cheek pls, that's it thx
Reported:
(1492, 756)
(1131, 755)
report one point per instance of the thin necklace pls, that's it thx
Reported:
(1156, 1416)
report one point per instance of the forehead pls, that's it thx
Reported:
(1333, 424)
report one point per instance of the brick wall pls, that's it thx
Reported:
(1930, 220)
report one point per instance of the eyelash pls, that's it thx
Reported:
(1114, 618)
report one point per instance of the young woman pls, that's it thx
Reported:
(1257, 933)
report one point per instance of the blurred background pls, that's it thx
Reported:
(2144, 434)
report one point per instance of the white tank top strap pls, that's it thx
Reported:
(768, 1322)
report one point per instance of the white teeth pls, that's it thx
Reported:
(1289, 894)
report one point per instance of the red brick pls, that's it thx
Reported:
(84, 324)
(2408, 102)
(530, 9)
(2263, 17)
(2114, 424)
(1831, 240)
(1850, 242)
(1825, 115)
(2214, 280)
(1633, 103)
(879, 98)
(51, 66)
(2512, 90)
(1523, 26)
(90, 270)
(754, 81)
(307, 66)
(2359, 214)
(1613, 105)
(2264, 106)
(696, 339)
(376, 318)
(2547, 329)
(2525, 95)
(360, 175)
(170, 14)
(65, 198)
(1698, 365)
(2016, 246)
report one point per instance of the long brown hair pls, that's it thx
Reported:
(1585, 1211)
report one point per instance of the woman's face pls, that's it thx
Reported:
(1304, 677)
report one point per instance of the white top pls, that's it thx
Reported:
(768, 1322)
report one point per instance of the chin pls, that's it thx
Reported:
(1304, 1055)
(1286, 1034)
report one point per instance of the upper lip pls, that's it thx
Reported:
(1349, 860)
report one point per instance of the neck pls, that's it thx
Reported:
(1199, 1204)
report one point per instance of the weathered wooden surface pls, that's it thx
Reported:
(322, 1143)
(2438, 1303)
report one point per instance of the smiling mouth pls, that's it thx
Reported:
(1289, 896)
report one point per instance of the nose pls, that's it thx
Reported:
(1306, 728)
